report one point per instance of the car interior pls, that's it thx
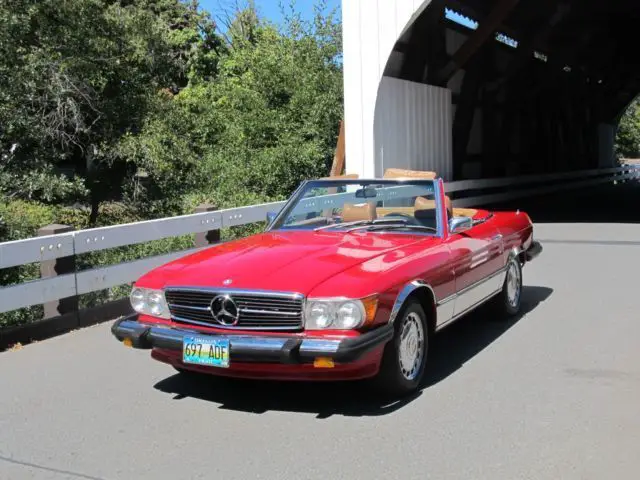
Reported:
(423, 209)
(422, 212)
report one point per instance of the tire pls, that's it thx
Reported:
(509, 300)
(395, 377)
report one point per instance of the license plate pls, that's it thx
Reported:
(210, 351)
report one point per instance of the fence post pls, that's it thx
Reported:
(210, 237)
(53, 268)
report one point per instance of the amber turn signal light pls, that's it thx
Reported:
(370, 308)
(323, 362)
(127, 342)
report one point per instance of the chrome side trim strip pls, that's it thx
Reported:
(407, 290)
(444, 312)
(461, 314)
(447, 307)
(480, 282)
(447, 300)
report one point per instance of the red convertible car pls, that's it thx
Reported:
(350, 280)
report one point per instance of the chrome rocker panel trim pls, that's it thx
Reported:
(473, 299)
(256, 348)
(445, 308)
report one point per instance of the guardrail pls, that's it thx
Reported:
(52, 247)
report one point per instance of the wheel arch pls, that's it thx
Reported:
(421, 291)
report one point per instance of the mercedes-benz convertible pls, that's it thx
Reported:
(351, 279)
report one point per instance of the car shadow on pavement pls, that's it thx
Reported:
(454, 346)
(468, 336)
(324, 399)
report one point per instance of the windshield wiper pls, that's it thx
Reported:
(358, 223)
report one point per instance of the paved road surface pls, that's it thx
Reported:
(555, 394)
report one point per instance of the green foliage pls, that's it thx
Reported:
(76, 76)
(116, 111)
(269, 120)
(628, 138)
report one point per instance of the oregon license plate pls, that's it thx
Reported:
(211, 351)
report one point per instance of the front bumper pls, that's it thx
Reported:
(533, 251)
(256, 348)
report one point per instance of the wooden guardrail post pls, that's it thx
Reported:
(202, 239)
(53, 268)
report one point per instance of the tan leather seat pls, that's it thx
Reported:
(353, 213)
(465, 212)
(425, 204)
(402, 173)
(422, 202)
(349, 176)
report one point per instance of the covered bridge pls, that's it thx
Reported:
(486, 88)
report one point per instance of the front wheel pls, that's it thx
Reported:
(405, 356)
(508, 302)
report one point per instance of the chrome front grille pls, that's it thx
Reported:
(257, 310)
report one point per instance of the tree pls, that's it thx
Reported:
(269, 119)
(79, 75)
(141, 101)
(628, 137)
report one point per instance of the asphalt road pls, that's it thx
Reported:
(553, 394)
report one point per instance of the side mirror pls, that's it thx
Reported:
(271, 216)
(460, 224)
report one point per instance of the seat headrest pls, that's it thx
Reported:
(348, 176)
(363, 211)
(425, 204)
(402, 173)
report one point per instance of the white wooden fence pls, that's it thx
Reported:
(39, 249)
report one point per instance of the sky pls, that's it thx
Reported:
(270, 8)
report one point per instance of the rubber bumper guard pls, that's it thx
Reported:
(255, 348)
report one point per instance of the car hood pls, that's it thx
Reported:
(284, 261)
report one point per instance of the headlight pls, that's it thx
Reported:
(149, 302)
(350, 315)
(339, 313)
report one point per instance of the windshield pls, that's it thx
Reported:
(352, 205)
